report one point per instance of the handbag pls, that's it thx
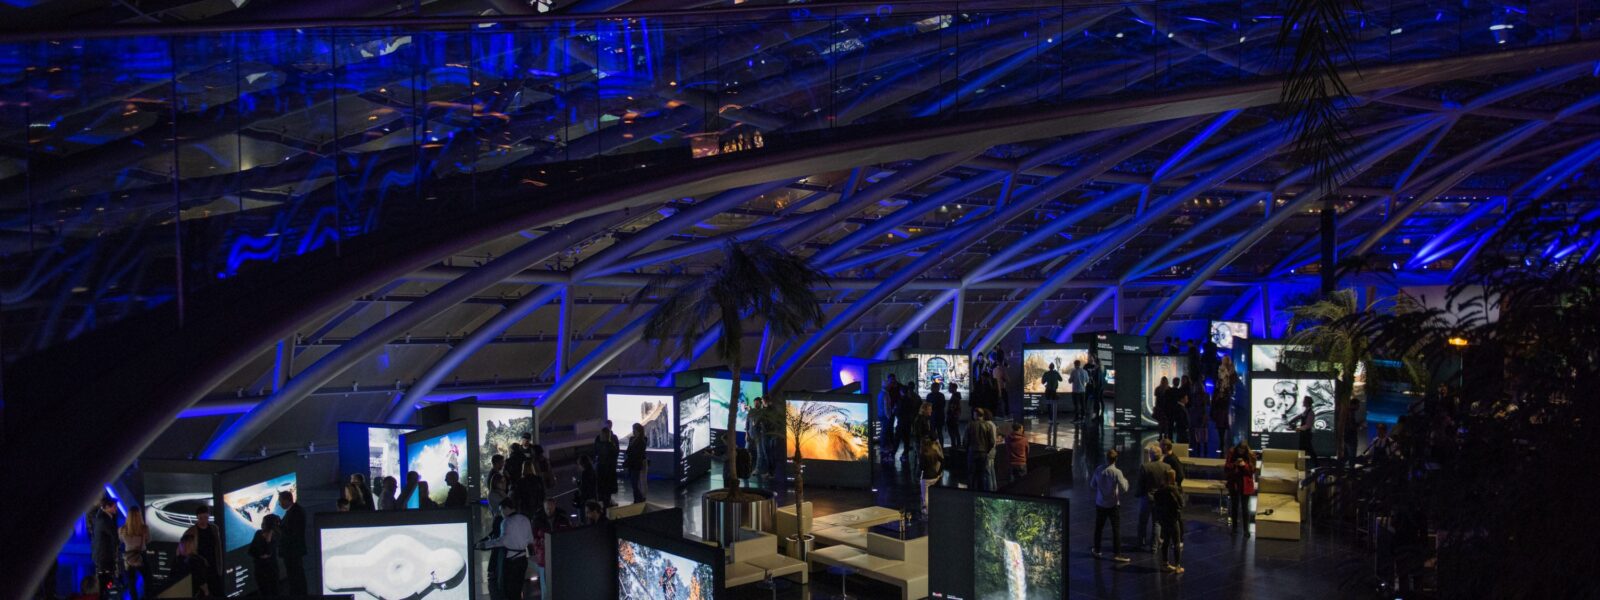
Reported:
(134, 559)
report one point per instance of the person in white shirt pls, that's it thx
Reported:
(1109, 485)
(516, 534)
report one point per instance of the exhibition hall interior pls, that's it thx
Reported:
(750, 299)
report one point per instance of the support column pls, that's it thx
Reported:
(955, 318)
(1266, 311)
(1116, 309)
(564, 333)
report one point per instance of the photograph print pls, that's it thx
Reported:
(935, 369)
(435, 457)
(1037, 361)
(1018, 549)
(1276, 403)
(645, 573)
(399, 562)
(244, 508)
(827, 430)
(1171, 367)
(498, 428)
(651, 411)
(694, 423)
(721, 390)
(1223, 332)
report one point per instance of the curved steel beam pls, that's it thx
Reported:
(227, 443)
(1122, 233)
(1029, 200)
(1371, 154)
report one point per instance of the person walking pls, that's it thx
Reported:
(292, 543)
(932, 468)
(1079, 379)
(135, 535)
(1109, 485)
(1240, 472)
(606, 448)
(1169, 516)
(1017, 451)
(980, 452)
(952, 416)
(635, 462)
(264, 552)
(1304, 425)
(103, 545)
(1152, 475)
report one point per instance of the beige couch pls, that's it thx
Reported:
(756, 557)
(901, 563)
(1280, 491)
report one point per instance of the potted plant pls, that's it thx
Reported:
(757, 283)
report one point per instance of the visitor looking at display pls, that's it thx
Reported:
(981, 440)
(1169, 516)
(1109, 485)
(292, 546)
(515, 535)
(1152, 475)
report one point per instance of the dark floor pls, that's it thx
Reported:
(1325, 564)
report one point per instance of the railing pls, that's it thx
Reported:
(140, 164)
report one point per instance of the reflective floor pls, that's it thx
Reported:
(1219, 564)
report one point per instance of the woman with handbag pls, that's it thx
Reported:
(1240, 470)
(135, 539)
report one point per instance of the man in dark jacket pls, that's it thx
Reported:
(208, 545)
(292, 548)
(456, 497)
(1152, 475)
(605, 462)
(635, 461)
(1172, 461)
(103, 543)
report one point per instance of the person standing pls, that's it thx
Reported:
(754, 429)
(1096, 376)
(103, 544)
(888, 409)
(135, 536)
(932, 463)
(264, 553)
(541, 466)
(1222, 411)
(1017, 451)
(1198, 429)
(1240, 473)
(292, 544)
(367, 502)
(456, 496)
(908, 428)
(980, 451)
(1152, 475)
(1179, 412)
(208, 545)
(386, 496)
(606, 447)
(1052, 385)
(635, 462)
(1002, 387)
(515, 536)
(1080, 391)
(1304, 425)
(1172, 460)
(1109, 485)
(202, 573)
(952, 416)
(1169, 516)
(936, 426)
(1163, 393)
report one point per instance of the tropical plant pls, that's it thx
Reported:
(757, 281)
(1332, 332)
(1484, 483)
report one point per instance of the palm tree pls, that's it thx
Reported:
(757, 282)
(1337, 330)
